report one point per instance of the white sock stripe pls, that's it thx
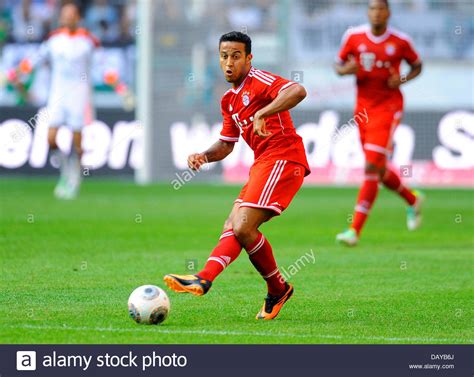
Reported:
(371, 177)
(217, 259)
(275, 168)
(257, 247)
(271, 273)
(272, 188)
(226, 234)
(362, 209)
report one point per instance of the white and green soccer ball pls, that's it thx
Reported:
(148, 304)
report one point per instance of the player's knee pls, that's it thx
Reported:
(381, 172)
(227, 224)
(52, 141)
(370, 168)
(242, 230)
(78, 150)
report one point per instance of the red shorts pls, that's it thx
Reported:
(271, 185)
(377, 135)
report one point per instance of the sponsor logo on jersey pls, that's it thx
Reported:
(367, 60)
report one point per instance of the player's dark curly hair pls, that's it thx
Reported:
(386, 3)
(237, 36)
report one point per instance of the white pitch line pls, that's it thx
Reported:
(238, 333)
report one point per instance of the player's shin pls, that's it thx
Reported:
(61, 159)
(261, 255)
(73, 174)
(365, 200)
(393, 182)
(226, 251)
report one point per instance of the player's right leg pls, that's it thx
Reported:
(60, 188)
(260, 252)
(374, 165)
(226, 251)
(73, 167)
(393, 182)
(56, 118)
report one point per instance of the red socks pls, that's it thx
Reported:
(261, 255)
(367, 195)
(392, 181)
(226, 251)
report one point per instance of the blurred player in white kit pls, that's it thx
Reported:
(69, 52)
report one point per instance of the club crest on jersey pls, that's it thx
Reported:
(362, 47)
(245, 98)
(390, 49)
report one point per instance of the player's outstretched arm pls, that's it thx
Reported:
(286, 100)
(216, 152)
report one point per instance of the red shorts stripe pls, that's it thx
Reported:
(272, 185)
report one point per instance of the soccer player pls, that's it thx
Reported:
(256, 107)
(373, 54)
(69, 51)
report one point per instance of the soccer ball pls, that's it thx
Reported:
(148, 304)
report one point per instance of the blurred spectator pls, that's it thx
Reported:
(128, 21)
(32, 20)
(5, 22)
(102, 19)
(245, 15)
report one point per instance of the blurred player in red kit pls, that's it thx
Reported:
(256, 108)
(373, 54)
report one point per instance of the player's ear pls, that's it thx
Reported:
(249, 57)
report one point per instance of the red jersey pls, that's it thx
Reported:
(376, 55)
(238, 107)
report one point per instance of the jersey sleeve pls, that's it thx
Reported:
(345, 49)
(409, 52)
(230, 132)
(40, 56)
(279, 84)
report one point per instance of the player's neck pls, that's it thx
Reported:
(72, 29)
(236, 84)
(378, 30)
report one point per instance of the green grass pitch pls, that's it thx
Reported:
(67, 268)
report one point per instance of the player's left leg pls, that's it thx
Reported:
(260, 253)
(392, 181)
(413, 198)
